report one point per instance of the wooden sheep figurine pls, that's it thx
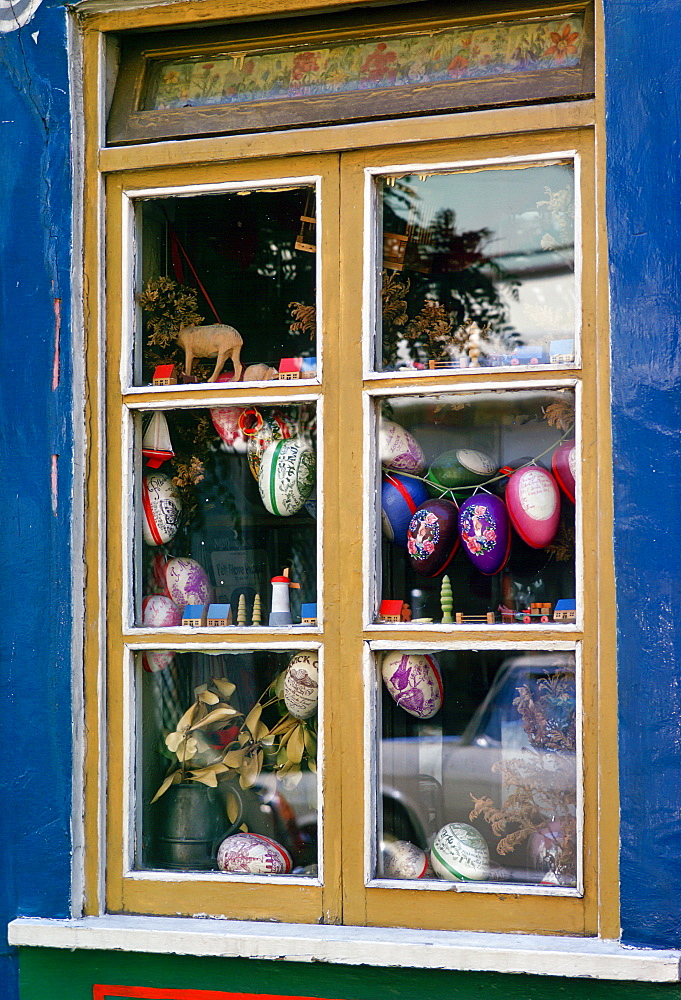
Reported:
(217, 341)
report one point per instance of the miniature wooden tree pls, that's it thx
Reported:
(446, 601)
(241, 611)
(257, 612)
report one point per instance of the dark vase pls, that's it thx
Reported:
(190, 823)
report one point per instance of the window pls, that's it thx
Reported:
(352, 575)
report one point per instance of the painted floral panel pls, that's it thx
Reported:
(460, 53)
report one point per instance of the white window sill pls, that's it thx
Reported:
(588, 958)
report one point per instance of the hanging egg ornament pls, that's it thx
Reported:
(398, 449)
(301, 685)
(401, 496)
(458, 468)
(287, 476)
(187, 582)
(433, 536)
(533, 504)
(161, 508)
(460, 854)
(414, 682)
(564, 465)
(485, 532)
(226, 422)
(262, 431)
(253, 854)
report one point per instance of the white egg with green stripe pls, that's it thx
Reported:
(287, 475)
(460, 854)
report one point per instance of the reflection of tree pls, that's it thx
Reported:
(453, 297)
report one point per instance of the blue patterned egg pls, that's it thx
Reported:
(400, 498)
(433, 537)
(485, 532)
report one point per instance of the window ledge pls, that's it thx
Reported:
(588, 958)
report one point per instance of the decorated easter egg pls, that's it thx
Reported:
(485, 532)
(400, 498)
(253, 854)
(159, 611)
(278, 425)
(507, 470)
(402, 859)
(433, 537)
(287, 475)
(154, 660)
(398, 449)
(460, 854)
(161, 508)
(414, 682)
(459, 467)
(564, 465)
(187, 582)
(301, 685)
(533, 504)
(226, 422)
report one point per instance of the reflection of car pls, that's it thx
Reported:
(429, 779)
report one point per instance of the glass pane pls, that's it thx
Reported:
(477, 268)
(478, 508)
(243, 261)
(228, 774)
(227, 517)
(478, 767)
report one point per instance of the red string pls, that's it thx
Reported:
(175, 240)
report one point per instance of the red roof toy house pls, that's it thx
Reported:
(165, 375)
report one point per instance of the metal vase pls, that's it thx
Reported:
(191, 821)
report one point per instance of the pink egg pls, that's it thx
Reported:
(160, 611)
(226, 422)
(564, 464)
(533, 503)
(399, 450)
(187, 582)
(253, 854)
(414, 682)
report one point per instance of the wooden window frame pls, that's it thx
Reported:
(345, 895)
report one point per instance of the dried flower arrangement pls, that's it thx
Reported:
(209, 747)
(542, 806)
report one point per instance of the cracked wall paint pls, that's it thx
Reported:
(35, 425)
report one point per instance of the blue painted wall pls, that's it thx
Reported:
(35, 423)
(644, 223)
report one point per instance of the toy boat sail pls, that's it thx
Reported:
(156, 444)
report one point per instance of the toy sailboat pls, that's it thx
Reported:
(156, 443)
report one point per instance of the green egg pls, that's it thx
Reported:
(461, 467)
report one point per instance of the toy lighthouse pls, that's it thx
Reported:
(281, 611)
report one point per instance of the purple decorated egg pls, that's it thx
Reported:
(433, 536)
(399, 450)
(533, 504)
(564, 463)
(187, 582)
(485, 532)
(159, 611)
(414, 682)
(400, 499)
(253, 854)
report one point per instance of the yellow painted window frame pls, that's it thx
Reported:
(343, 896)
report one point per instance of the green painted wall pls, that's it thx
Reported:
(52, 974)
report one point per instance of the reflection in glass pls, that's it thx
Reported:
(477, 268)
(227, 507)
(483, 788)
(244, 260)
(478, 508)
(227, 748)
